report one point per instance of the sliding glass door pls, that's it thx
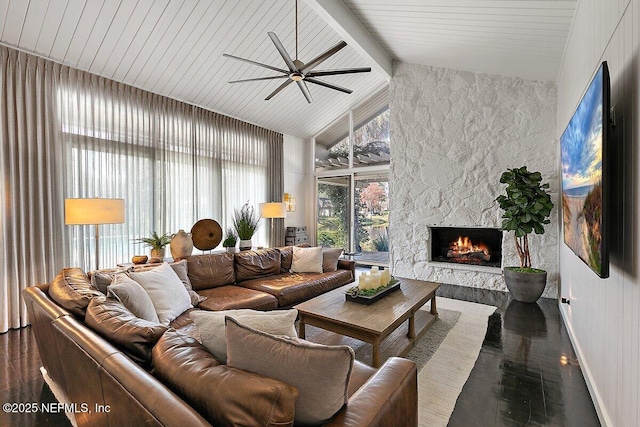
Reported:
(333, 226)
(353, 214)
(371, 218)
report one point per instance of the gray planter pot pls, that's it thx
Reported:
(525, 287)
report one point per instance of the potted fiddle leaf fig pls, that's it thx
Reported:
(245, 222)
(230, 240)
(527, 207)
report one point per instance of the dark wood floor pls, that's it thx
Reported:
(519, 379)
(527, 373)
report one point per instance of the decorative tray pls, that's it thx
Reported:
(370, 299)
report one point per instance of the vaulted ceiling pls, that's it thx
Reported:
(175, 47)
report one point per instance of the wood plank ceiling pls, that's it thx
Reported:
(520, 38)
(175, 47)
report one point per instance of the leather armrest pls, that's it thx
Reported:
(389, 397)
(345, 264)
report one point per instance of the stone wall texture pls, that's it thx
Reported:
(453, 134)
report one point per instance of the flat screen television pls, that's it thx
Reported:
(585, 180)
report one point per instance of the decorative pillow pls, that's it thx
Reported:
(72, 290)
(330, 259)
(133, 296)
(211, 327)
(135, 336)
(320, 373)
(166, 291)
(307, 260)
(101, 279)
(180, 268)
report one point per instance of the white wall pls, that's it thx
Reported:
(296, 180)
(603, 319)
(453, 133)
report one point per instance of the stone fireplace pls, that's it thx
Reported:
(453, 133)
(467, 246)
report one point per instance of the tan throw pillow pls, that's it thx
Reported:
(210, 325)
(165, 289)
(330, 259)
(320, 373)
(307, 260)
(133, 296)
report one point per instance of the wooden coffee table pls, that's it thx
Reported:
(376, 322)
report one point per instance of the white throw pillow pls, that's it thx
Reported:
(133, 296)
(168, 294)
(307, 260)
(210, 325)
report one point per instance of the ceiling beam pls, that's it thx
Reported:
(340, 18)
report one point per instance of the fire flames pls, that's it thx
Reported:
(464, 245)
(465, 249)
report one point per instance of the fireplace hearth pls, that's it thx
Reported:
(467, 246)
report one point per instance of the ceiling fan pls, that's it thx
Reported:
(298, 71)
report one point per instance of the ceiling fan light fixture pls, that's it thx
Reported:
(299, 72)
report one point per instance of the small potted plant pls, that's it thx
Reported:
(527, 207)
(245, 222)
(157, 244)
(230, 240)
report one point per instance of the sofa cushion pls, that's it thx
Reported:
(330, 259)
(223, 395)
(180, 267)
(292, 288)
(136, 337)
(133, 296)
(233, 297)
(307, 260)
(320, 373)
(209, 271)
(254, 264)
(286, 256)
(72, 290)
(211, 326)
(169, 296)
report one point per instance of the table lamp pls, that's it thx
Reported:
(94, 212)
(273, 210)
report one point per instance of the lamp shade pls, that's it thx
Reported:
(273, 210)
(93, 211)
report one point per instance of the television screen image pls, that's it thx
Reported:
(584, 191)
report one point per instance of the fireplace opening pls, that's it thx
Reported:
(471, 246)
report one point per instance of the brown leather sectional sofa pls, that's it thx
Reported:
(183, 384)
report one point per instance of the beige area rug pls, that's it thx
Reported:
(442, 378)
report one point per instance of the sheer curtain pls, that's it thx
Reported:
(32, 243)
(67, 133)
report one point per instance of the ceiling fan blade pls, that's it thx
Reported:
(323, 57)
(305, 91)
(329, 85)
(336, 72)
(256, 63)
(275, 92)
(283, 52)
(259, 78)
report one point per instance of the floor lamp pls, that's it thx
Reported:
(273, 210)
(94, 212)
